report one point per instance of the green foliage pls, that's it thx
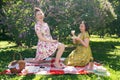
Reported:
(114, 26)
(18, 21)
(66, 15)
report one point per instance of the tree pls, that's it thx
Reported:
(19, 21)
(61, 15)
(69, 14)
(114, 26)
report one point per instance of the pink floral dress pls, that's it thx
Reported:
(44, 49)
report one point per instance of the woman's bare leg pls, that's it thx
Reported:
(91, 65)
(60, 51)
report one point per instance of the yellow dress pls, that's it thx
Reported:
(81, 56)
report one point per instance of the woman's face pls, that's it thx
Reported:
(82, 27)
(39, 15)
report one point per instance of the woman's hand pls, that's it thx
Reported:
(78, 39)
(54, 41)
(84, 42)
(74, 39)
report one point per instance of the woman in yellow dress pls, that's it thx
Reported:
(82, 55)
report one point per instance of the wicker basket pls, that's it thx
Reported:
(16, 66)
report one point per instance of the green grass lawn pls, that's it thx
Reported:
(106, 50)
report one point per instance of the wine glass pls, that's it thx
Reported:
(73, 32)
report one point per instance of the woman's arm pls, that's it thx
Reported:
(84, 42)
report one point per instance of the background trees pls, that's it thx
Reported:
(114, 26)
(17, 18)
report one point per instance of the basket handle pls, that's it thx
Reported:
(14, 56)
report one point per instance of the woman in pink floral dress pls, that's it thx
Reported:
(46, 45)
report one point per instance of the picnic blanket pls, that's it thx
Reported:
(47, 68)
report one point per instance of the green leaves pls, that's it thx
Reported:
(61, 15)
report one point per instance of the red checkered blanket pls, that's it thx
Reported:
(48, 68)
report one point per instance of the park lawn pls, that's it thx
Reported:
(106, 50)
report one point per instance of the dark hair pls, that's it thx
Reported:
(86, 27)
(36, 10)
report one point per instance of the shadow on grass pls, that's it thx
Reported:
(107, 53)
(102, 51)
(63, 77)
